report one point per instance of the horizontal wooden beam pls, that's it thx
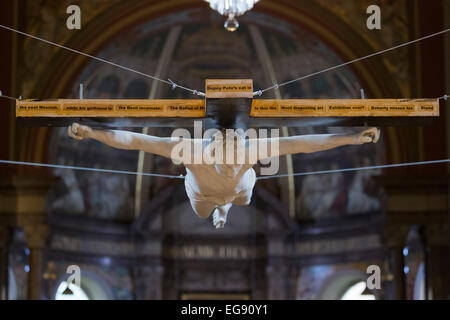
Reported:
(197, 108)
(228, 112)
(345, 108)
(110, 108)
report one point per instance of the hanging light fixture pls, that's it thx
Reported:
(231, 9)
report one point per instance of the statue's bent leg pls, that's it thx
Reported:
(220, 215)
(244, 198)
(202, 208)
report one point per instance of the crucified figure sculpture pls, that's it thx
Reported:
(214, 187)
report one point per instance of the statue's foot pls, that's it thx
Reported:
(219, 218)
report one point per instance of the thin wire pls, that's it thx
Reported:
(355, 169)
(102, 60)
(275, 86)
(444, 97)
(258, 178)
(89, 169)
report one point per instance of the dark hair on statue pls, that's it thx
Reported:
(223, 132)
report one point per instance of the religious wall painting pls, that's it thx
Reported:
(333, 195)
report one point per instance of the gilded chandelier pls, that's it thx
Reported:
(231, 9)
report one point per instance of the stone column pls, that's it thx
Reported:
(437, 261)
(23, 204)
(5, 241)
(396, 240)
(36, 239)
(418, 200)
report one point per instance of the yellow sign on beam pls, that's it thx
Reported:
(345, 108)
(110, 108)
(229, 88)
(197, 108)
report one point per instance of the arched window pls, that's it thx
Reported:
(347, 284)
(358, 291)
(93, 287)
(70, 292)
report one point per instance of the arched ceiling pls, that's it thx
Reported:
(191, 45)
(106, 21)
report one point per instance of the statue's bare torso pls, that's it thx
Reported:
(211, 186)
(206, 182)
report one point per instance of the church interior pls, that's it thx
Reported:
(309, 237)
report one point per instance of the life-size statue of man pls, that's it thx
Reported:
(215, 187)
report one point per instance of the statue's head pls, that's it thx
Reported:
(231, 145)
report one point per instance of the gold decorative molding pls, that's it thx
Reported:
(36, 235)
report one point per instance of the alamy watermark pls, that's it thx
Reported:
(374, 280)
(75, 275)
(74, 20)
(374, 20)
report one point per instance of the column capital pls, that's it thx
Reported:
(23, 199)
(36, 235)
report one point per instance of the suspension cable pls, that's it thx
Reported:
(168, 82)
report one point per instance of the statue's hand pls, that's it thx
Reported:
(368, 136)
(78, 131)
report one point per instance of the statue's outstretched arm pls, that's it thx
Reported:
(125, 139)
(320, 142)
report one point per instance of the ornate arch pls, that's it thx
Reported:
(121, 17)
